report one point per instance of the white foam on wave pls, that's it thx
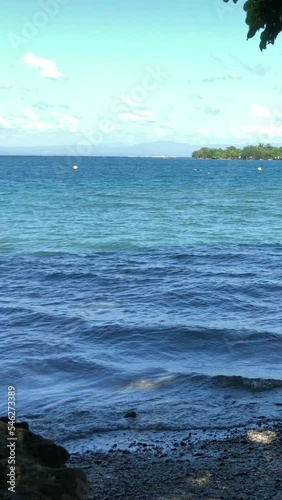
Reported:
(146, 384)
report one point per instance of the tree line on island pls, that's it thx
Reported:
(260, 152)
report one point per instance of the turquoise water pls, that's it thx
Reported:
(137, 203)
(152, 284)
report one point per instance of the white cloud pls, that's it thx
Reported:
(238, 133)
(30, 114)
(204, 131)
(4, 123)
(28, 121)
(48, 68)
(131, 102)
(6, 86)
(66, 122)
(162, 132)
(269, 131)
(39, 126)
(260, 111)
(144, 116)
(256, 132)
(227, 76)
(65, 118)
(233, 76)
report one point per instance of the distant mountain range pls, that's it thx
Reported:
(166, 148)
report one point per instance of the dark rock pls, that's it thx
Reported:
(130, 414)
(46, 452)
(39, 471)
(20, 425)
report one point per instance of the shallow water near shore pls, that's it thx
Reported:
(145, 284)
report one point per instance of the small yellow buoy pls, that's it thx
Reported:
(75, 167)
(259, 169)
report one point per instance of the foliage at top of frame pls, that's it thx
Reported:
(265, 15)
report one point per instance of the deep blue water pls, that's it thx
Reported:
(152, 284)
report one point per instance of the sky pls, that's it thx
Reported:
(127, 72)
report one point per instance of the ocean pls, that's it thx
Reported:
(143, 284)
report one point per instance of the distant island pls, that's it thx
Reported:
(260, 152)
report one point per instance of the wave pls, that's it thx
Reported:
(145, 384)
(61, 276)
(201, 380)
(251, 384)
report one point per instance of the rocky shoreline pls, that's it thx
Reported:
(33, 468)
(238, 468)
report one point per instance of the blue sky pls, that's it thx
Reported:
(127, 72)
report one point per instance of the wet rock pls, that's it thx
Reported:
(47, 452)
(39, 468)
(130, 414)
(20, 425)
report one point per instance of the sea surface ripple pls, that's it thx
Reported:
(152, 284)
